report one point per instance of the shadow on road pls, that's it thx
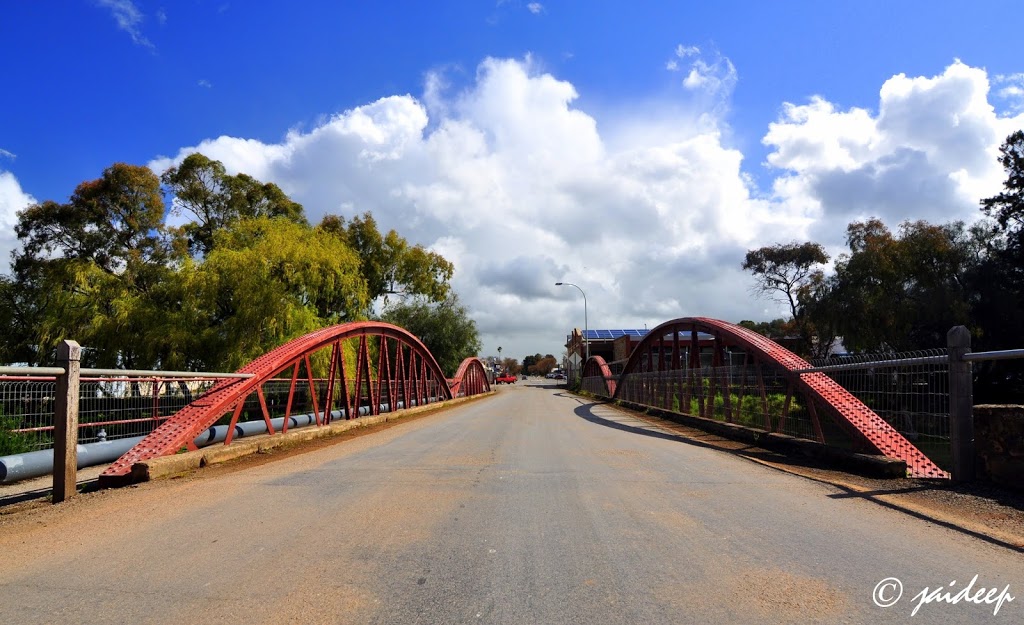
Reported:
(977, 501)
(18, 496)
(662, 428)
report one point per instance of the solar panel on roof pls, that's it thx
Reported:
(612, 334)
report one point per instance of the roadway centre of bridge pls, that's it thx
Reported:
(532, 506)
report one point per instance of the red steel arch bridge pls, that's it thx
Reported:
(676, 367)
(359, 368)
(342, 371)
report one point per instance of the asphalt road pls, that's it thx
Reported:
(532, 506)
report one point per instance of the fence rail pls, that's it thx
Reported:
(925, 396)
(127, 407)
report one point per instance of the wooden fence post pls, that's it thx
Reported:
(961, 404)
(65, 423)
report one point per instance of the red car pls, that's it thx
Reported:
(505, 379)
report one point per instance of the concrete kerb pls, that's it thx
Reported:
(180, 464)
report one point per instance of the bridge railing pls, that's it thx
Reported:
(110, 407)
(118, 406)
(754, 396)
(910, 391)
(925, 396)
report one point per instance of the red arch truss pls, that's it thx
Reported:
(391, 366)
(677, 346)
(470, 379)
(598, 378)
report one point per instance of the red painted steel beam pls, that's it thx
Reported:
(182, 428)
(597, 366)
(471, 373)
(846, 409)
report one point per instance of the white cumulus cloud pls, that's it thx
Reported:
(929, 152)
(518, 188)
(12, 200)
(650, 214)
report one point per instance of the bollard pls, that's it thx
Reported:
(961, 404)
(65, 423)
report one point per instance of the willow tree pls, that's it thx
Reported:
(389, 263)
(266, 281)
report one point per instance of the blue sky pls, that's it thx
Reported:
(637, 149)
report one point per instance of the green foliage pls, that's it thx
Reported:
(22, 306)
(784, 269)
(750, 412)
(791, 273)
(244, 275)
(87, 267)
(12, 442)
(266, 281)
(539, 365)
(1008, 206)
(445, 328)
(511, 365)
(388, 263)
(115, 222)
(775, 329)
(900, 292)
(998, 282)
(203, 190)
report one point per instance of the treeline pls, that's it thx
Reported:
(240, 272)
(903, 290)
(539, 365)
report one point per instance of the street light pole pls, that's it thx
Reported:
(586, 339)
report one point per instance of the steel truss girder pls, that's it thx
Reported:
(597, 367)
(415, 370)
(470, 378)
(823, 392)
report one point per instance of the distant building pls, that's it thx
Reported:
(612, 345)
(615, 346)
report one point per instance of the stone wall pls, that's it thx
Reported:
(999, 444)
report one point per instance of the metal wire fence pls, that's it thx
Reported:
(909, 391)
(276, 394)
(753, 395)
(109, 408)
(124, 407)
